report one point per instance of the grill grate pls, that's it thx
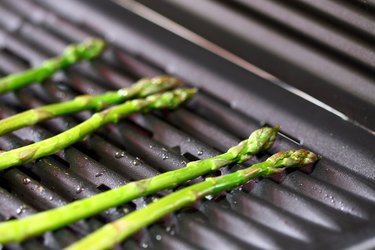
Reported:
(311, 45)
(310, 210)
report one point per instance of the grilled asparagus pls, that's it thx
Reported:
(19, 230)
(74, 53)
(54, 144)
(115, 232)
(142, 88)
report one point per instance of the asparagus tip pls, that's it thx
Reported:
(171, 99)
(88, 49)
(156, 84)
(293, 158)
(261, 139)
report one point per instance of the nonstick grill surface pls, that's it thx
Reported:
(331, 206)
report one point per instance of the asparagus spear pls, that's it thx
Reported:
(18, 230)
(54, 144)
(115, 232)
(142, 88)
(74, 53)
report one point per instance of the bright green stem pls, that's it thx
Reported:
(74, 53)
(115, 232)
(142, 88)
(56, 143)
(18, 230)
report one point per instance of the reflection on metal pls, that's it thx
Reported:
(162, 21)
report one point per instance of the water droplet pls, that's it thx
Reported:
(188, 139)
(99, 174)
(79, 189)
(158, 237)
(170, 230)
(151, 146)
(119, 155)
(50, 198)
(20, 210)
(165, 156)
(200, 152)
(26, 181)
(144, 245)
(154, 199)
(126, 210)
(209, 197)
(135, 162)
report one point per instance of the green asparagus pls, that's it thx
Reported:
(74, 53)
(54, 144)
(19, 230)
(142, 88)
(115, 232)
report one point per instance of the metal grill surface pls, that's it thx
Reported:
(333, 205)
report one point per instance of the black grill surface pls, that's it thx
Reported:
(330, 206)
(324, 47)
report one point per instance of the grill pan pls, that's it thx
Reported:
(329, 207)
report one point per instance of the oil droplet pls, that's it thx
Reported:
(99, 174)
(200, 152)
(158, 237)
(119, 155)
(79, 189)
(165, 156)
(26, 181)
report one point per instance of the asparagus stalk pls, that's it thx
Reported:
(111, 115)
(74, 53)
(115, 232)
(142, 88)
(19, 230)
